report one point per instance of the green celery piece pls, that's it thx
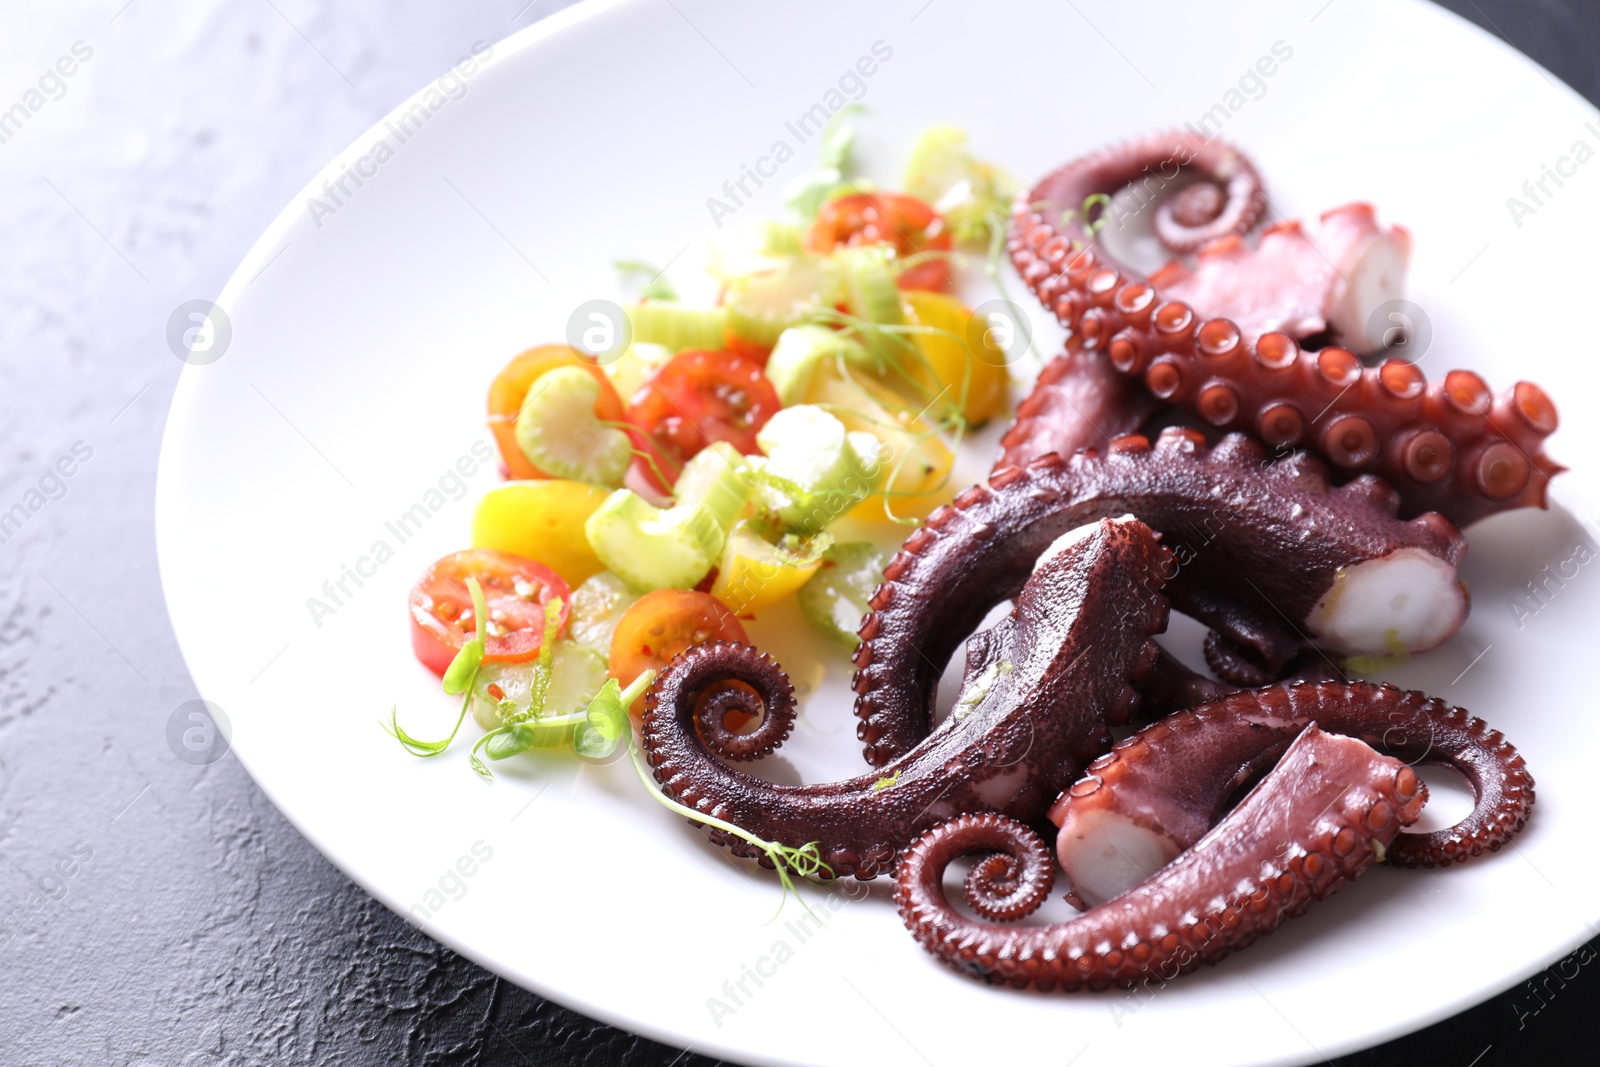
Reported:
(597, 606)
(558, 431)
(718, 477)
(868, 277)
(764, 303)
(664, 322)
(966, 191)
(651, 547)
(818, 465)
(835, 599)
(798, 353)
(781, 239)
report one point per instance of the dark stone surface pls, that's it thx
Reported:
(153, 912)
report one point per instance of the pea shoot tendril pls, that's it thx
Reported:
(459, 679)
(805, 861)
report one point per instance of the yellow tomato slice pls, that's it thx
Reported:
(755, 574)
(951, 363)
(541, 520)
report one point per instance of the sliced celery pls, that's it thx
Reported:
(868, 277)
(835, 599)
(763, 304)
(662, 322)
(719, 478)
(798, 353)
(558, 431)
(821, 468)
(576, 675)
(651, 547)
(969, 193)
(782, 239)
(596, 607)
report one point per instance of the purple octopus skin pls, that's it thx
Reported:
(1173, 687)
(1078, 401)
(1319, 278)
(1235, 664)
(1079, 640)
(1228, 198)
(1329, 810)
(1158, 792)
(1449, 445)
(1264, 552)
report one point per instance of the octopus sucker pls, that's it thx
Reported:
(1157, 792)
(1224, 512)
(1079, 634)
(1267, 340)
(1267, 860)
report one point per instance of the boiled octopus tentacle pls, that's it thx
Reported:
(1318, 278)
(1158, 792)
(1330, 808)
(1173, 686)
(1078, 641)
(1078, 401)
(1201, 188)
(1449, 446)
(1267, 553)
(1233, 663)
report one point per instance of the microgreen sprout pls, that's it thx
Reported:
(1090, 203)
(459, 679)
(514, 735)
(805, 861)
(606, 720)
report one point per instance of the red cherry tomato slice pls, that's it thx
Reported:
(698, 397)
(890, 218)
(515, 591)
(660, 625)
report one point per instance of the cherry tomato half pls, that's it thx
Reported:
(891, 218)
(660, 625)
(515, 591)
(510, 389)
(698, 397)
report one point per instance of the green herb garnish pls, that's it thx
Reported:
(805, 861)
(459, 678)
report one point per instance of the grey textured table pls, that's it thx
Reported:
(155, 912)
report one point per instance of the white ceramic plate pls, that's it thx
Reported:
(363, 339)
